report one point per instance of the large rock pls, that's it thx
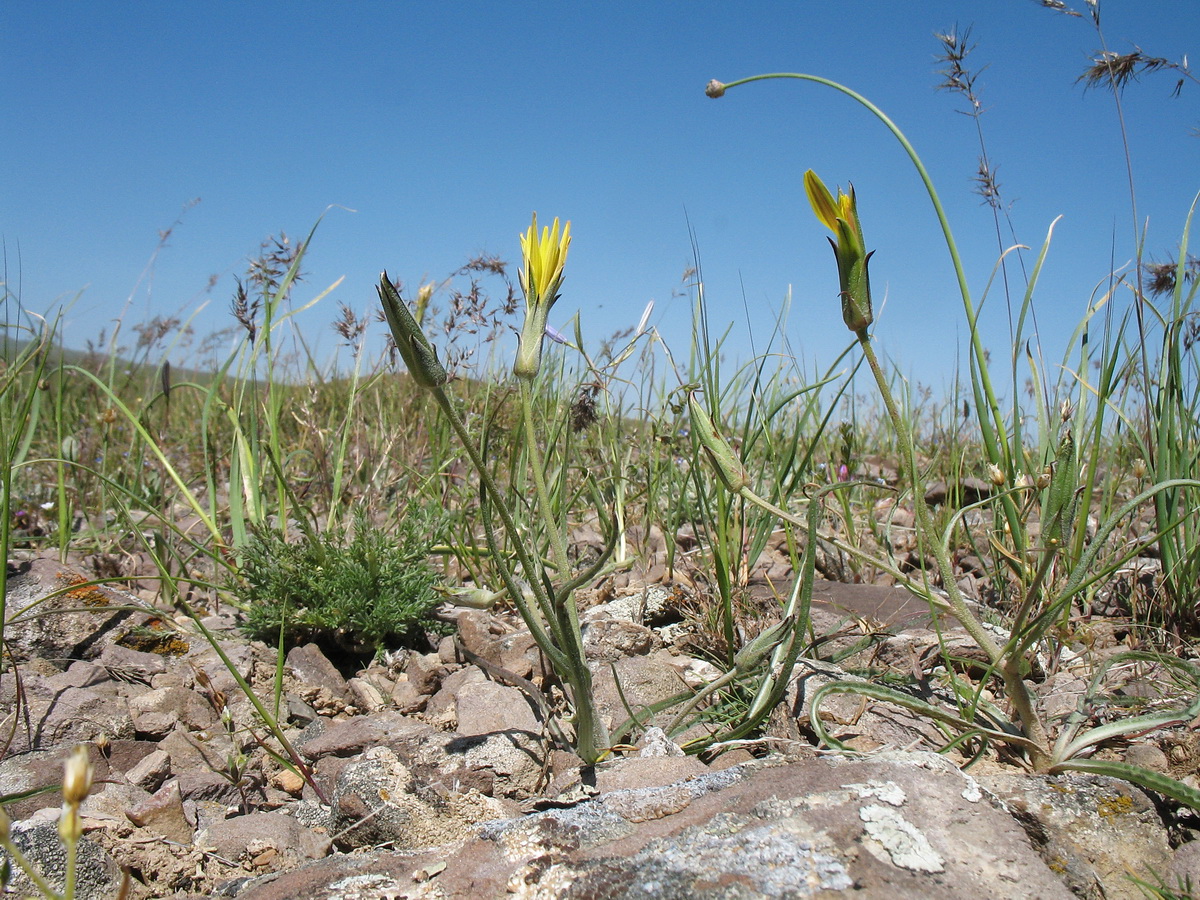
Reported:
(878, 829)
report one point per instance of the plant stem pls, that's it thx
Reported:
(1008, 665)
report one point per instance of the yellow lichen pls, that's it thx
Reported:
(86, 592)
(1111, 807)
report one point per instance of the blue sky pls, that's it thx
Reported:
(444, 125)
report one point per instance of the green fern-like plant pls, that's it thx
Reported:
(357, 590)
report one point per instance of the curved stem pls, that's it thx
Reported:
(993, 429)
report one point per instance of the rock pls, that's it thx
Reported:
(163, 814)
(210, 786)
(611, 639)
(374, 802)
(645, 680)
(489, 707)
(365, 695)
(1148, 756)
(98, 877)
(1184, 869)
(108, 804)
(266, 841)
(513, 762)
(655, 743)
(355, 735)
(288, 781)
(881, 829)
(73, 716)
(27, 773)
(1090, 829)
(156, 712)
(76, 624)
(125, 664)
(425, 672)
(407, 699)
(312, 667)
(151, 772)
(441, 708)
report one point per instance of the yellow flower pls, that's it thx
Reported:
(541, 275)
(840, 216)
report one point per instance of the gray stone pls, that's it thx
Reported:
(611, 639)
(488, 707)
(1091, 829)
(911, 828)
(97, 875)
(374, 802)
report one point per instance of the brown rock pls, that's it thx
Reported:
(312, 667)
(151, 772)
(358, 734)
(425, 672)
(163, 814)
(271, 840)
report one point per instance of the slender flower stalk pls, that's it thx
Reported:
(547, 607)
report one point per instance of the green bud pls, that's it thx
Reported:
(726, 463)
(419, 355)
(1063, 500)
(751, 656)
(840, 215)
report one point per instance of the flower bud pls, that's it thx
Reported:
(472, 597)
(726, 463)
(996, 475)
(714, 89)
(1139, 468)
(751, 656)
(77, 776)
(840, 216)
(419, 355)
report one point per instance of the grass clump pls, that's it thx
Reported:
(357, 590)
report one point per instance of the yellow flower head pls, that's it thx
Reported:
(544, 258)
(541, 276)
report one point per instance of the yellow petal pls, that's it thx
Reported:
(821, 200)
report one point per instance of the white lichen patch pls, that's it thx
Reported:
(887, 791)
(905, 846)
(359, 887)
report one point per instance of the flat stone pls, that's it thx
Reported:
(355, 735)
(488, 707)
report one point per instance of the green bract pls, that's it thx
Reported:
(841, 217)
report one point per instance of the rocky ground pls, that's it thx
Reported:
(433, 776)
